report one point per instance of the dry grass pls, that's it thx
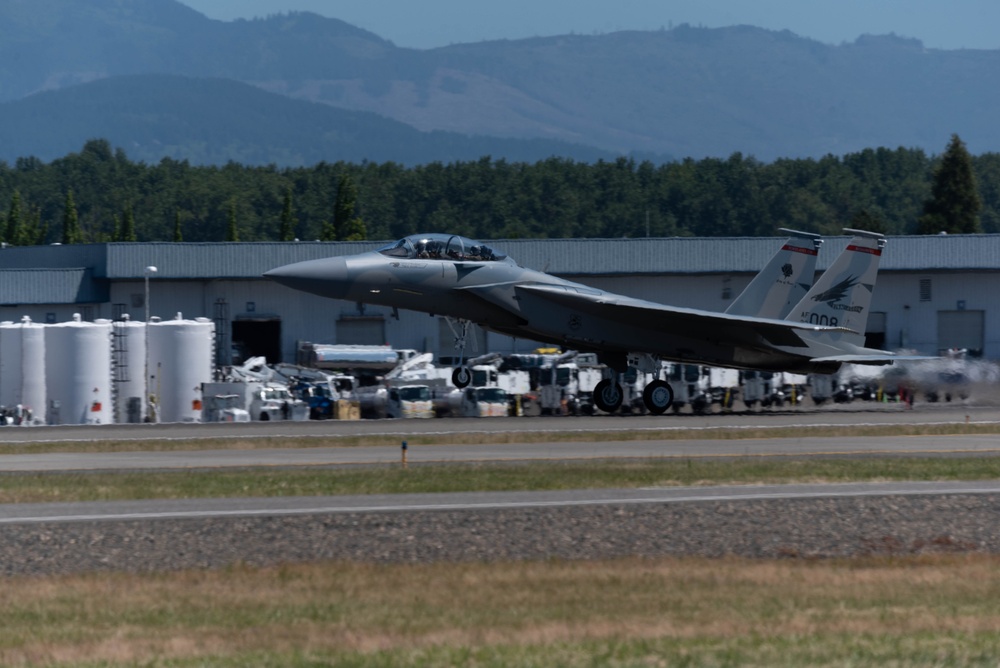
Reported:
(942, 610)
(529, 613)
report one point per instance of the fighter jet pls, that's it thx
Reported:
(471, 282)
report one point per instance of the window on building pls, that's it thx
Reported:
(925, 289)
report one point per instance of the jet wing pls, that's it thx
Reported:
(711, 325)
(874, 360)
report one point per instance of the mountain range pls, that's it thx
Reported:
(159, 79)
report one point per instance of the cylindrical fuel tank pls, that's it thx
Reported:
(22, 370)
(78, 372)
(180, 360)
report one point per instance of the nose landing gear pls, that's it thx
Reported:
(462, 375)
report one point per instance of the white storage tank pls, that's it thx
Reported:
(128, 353)
(78, 372)
(22, 370)
(180, 360)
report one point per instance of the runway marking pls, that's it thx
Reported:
(491, 505)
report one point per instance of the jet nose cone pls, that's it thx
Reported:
(327, 277)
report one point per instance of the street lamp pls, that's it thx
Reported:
(148, 399)
(147, 272)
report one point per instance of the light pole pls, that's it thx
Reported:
(147, 272)
(148, 399)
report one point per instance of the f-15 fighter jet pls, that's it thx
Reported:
(472, 282)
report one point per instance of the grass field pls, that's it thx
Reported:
(101, 486)
(940, 611)
(934, 611)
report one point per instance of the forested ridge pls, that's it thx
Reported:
(115, 198)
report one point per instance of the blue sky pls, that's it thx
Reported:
(938, 24)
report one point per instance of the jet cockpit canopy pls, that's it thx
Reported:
(442, 247)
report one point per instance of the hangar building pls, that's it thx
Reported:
(934, 292)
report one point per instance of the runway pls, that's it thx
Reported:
(38, 513)
(505, 452)
(770, 521)
(476, 451)
(838, 415)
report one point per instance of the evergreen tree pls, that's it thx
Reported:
(954, 204)
(232, 228)
(343, 207)
(288, 221)
(116, 227)
(493, 198)
(178, 236)
(863, 219)
(71, 233)
(128, 224)
(14, 230)
(327, 231)
(355, 230)
(35, 231)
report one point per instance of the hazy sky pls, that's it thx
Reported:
(939, 24)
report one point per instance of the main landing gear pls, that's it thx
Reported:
(608, 395)
(657, 396)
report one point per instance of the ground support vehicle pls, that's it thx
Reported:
(224, 408)
(484, 402)
(264, 401)
(396, 400)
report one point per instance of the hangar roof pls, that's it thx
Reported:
(84, 272)
(51, 286)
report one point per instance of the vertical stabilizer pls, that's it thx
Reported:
(784, 281)
(842, 296)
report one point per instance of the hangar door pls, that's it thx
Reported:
(961, 329)
(253, 337)
(875, 331)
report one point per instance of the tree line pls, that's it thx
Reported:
(100, 195)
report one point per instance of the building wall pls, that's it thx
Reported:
(910, 321)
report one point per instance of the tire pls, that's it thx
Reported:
(658, 396)
(608, 396)
(461, 377)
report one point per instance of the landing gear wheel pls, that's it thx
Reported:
(608, 396)
(461, 377)
(658, 395)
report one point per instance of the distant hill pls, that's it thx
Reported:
(681, 92)
(213, 121)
